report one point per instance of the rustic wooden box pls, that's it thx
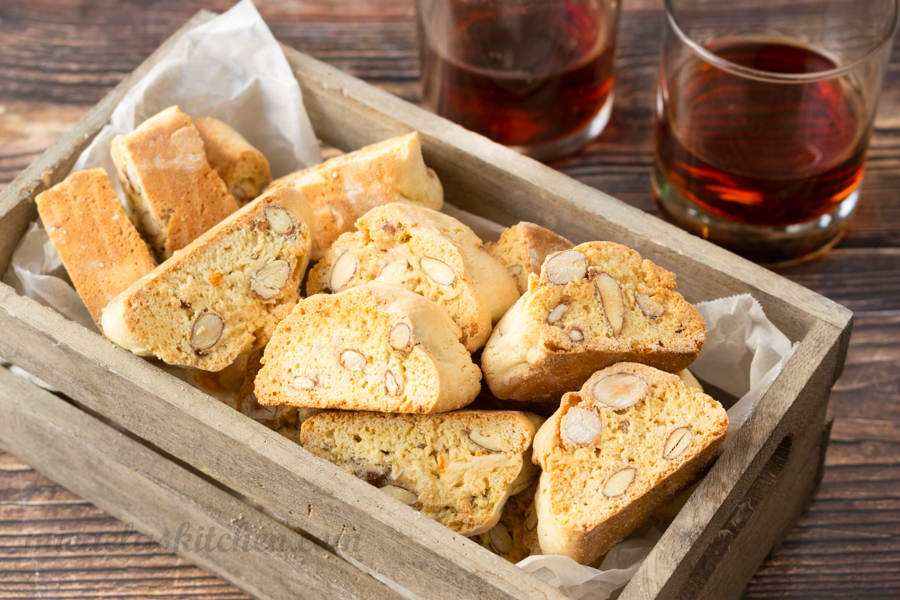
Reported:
(197, 460)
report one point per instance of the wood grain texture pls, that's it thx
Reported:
(59, 58)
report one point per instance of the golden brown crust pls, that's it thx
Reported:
(242, 167)
(174, 194)
(100, 248)
(523, 248)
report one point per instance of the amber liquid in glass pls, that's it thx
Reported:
(520, 77)
(758, 152)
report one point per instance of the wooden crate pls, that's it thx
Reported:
(200, 447)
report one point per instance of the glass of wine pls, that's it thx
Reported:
(536, 75)
(764, 113)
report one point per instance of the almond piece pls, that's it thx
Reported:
(304, 382)
(394, 272)
(567, 266)
(576, 335)
(353, 360)
(651, 308)
(514, 270)
(620, 390)
(343, 271)
(390, 383)
(207, 330)
(437, 270)
(612, 299)
(270, 280)
(500, 538)
(557, 313)
(400, 493)
(483, 441)
(532, 520)
(618, 482)
(400, 337)
(280, 220)
(581, 426)
(677, 442)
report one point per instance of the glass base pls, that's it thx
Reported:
(574, 141)
(769, 246)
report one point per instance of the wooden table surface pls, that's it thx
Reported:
(59, 57)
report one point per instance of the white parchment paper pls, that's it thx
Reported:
(232, 68)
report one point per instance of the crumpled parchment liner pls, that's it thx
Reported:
(232, 68)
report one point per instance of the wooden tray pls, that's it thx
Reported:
(741, 510)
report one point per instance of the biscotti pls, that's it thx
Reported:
(222, 295)
(273, 417)
(242, 167)
(173, 193)
(373, 347)
(523, 248)
(592, 306)
(514, 537)
(632, 438)
(426, 252)
(346, 187)
(100, 248)
(454, 467)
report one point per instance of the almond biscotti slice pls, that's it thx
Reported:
(346, 187)
(455, 467)
(429, 253)
(173, 193)
(100, 248)
(242, 167)
(592, 306)
(523, 248)
(372, 347)
(514, 537)
(222, 295)
(629, 440)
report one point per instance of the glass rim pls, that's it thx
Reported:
(737, 69)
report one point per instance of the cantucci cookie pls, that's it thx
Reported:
(592, 306)
(429, 253)
(223, 294)
(346, 187)
(514, 537)
(455, 467)
(242, 167)
(173, 193)
(274, 417)
(99, 246)
(373, 347)
(523, 248)
(617, 450)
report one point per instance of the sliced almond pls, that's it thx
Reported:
(400, 493)
(437, 270)
(400, 337)
(557, 313)
(500, 538)
(391, 384)
(280, 220)
(651, 308)
(677, 442)
(207, 330)
(612, 299)
(532, 520)
(618, 482)
(304, 382)
(353, 360)
(270, 280)
(576, 335)
(567, 266)
(394, 272)
(343, 271)
(620, 390)
(581, 426)
(484, 442)
(514, 270)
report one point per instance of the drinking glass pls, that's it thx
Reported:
(536, 75)
(764, 113)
